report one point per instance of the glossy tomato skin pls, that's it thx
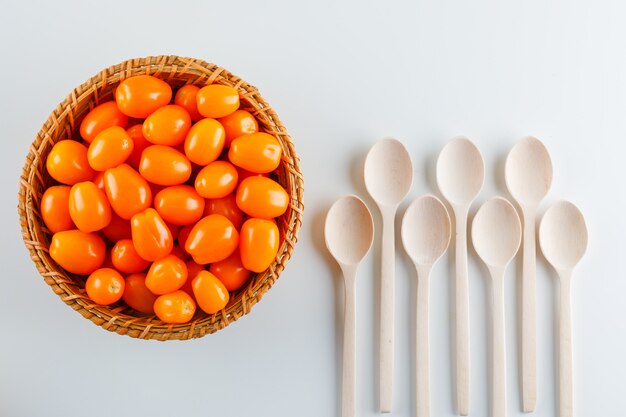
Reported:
(101, 117)
(163, 165)
(105, 286)
(231, 271)
(259, 241)
(117, 229)
(99, 181)
(227, 207)
(139, 144)
(151, 237)
(257, 152)
(205, 141)
(216, 180)
(237, 124)
(262, 197)
(179, 204)
(217, 100)
(125, 258)
(168, 125)
(166, 275)
(68, 164)
(141, 95)
(186, 98)
(110, 148)
(212, 239)
(89, 208)
(77, 252)
(211, 295)
(137, 295)
(128, 192)
(175, 308)
(55, 209)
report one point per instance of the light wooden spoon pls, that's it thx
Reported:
(460, 177)
(497, 233)
(425, 235)
(349, 232)
(388, 178)
(563, 240)
(528, 175)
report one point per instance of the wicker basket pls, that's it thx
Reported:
(63, 123)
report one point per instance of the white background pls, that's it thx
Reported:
(341, 75)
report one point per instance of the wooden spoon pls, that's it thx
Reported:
(425, 235)
(496, 233)
(563, 240)
(349, 232)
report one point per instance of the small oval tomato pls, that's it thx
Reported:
(101, 117)
(77, 252)
(127, 191)
(67, 163)
(204, 142)
(237, 124)
(118, 229)
(110, 148)
(55, 209)
(257, 152)
(105, 286)
(216, 180)
(126, 259)
(217, 100)
(141, 95)
(151, 237)
(210, 293)
(89, 208)
(259, 242)
(175, 308)
(167, 126)
(179, 204)
(186, 98)
(139, 144)
(227, 207)
(262, 197)
(137, 295)
(163, 165)
(166, 275)
(231, 271)
(212, 239)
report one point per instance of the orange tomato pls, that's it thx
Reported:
(210, 293)
(231, 272)
(126, 259)
(237, 124)
(166, 275)
(216, 180)
(137, 295)
(227, 207)
(67, 163)
(217, 100)
(257, 152)
(151, 237)
(205, 141)
(175, 308)
(110, 148)
(212, 239)
(259, 242)
(167, 126)
(186, 98)
(262, 197)
(105, 286)
(101, 117)
(77, 252)
(127, 191)
(179, 204)
(193, 268)
(55, 209)
(89, 208)
(99, 181)
(139, 144)
(118, 229)
(163, 165)
(141, 95)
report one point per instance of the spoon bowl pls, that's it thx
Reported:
(349, 230)
(528, 171)
(388, 172)
(426, 230)
(563, 235)
(496, 232)
(460, 171)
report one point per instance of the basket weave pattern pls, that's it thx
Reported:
(63, 123)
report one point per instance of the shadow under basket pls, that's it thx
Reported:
(63, 123)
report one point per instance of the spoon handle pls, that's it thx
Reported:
(387, 289)
(422, 361)
(498, 347)
(529, 313)
(462, 314)
(565, 347)
(348, 390)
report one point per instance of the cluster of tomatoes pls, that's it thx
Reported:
(165, 206)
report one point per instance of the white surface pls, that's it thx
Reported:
(341, 76)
